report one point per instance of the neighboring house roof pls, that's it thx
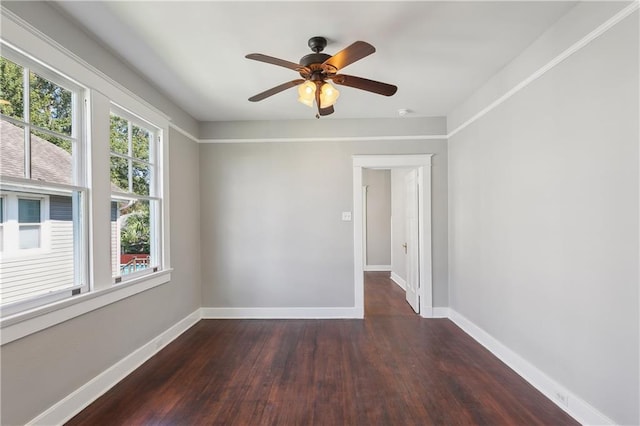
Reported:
(49, 162)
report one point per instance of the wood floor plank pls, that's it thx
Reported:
(392, 368)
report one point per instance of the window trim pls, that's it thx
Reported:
(12, 224)
(31, 321)
(100, 92)
(3, 217)
(156, 188)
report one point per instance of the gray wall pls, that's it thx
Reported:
(544, 222)
(41, 369)
(272, 234)
(324, 128)
(378, 182)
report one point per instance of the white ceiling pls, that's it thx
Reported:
(437, 53)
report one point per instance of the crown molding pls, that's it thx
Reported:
(183, 132)
(584, 41)
(72, 56)
(329, 139)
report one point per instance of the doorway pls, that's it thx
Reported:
(422, 165)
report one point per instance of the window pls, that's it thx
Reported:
(1, 224)
(55, 197)
(29, 220)
(135, 200)
(40, 160)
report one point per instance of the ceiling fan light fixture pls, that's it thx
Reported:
(316, 68)
(328, 95)
(306, 93)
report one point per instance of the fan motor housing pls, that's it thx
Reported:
(313, 58)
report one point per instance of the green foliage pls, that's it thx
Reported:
(11, 89)
(50, 106)
(136, 230)
(140, 173)
(135, 233)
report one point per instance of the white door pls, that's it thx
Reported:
(411, 240)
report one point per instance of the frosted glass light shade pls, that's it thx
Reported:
(307, 93)
(328, 95)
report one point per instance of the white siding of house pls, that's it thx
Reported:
(40, 274)
(115, 249)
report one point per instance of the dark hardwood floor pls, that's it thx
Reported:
(392, 368)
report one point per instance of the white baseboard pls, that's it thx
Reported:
(281, 313)
(377, 268)
(66, 408)
(398, 280)
(580, 410)
(75, 402)
(440, 312)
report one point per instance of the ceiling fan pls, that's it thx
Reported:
(316, 68)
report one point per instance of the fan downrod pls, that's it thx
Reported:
(317, 44)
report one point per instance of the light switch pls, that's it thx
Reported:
(346, 216)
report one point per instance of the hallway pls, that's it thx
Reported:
(383, 297)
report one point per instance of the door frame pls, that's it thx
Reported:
(422, 162)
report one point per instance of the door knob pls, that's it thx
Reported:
(405, 248)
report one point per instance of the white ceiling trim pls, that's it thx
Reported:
(584, 41)
(580, 44)
(4, 12)
(184, 132)
(329, 139)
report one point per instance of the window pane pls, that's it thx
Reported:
(119, 139)
(50, 105)
(42, 272)
(29, 236)
(120, 173)
(12, 150)
(131, 238)
(51, 159)
(11, 89)
(140, 139)
(141, 178)
(28, 211)
(1, 210)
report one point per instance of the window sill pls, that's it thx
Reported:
(20, 325)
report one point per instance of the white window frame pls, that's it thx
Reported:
(3, 216)
(155, 189)
(24, 187)
(101, 93)
(12, 226)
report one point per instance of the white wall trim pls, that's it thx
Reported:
(183, 132)
(577, 408)
(423, 163)
(377, 268)
(584, 41)
(75, 402)
(398, 280)
(327, 139)
(393, 160)
(440, 312)
(281, 313)
(12, 17)
(28, 322)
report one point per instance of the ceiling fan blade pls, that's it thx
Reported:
(275, 61)
(274, 90)
(365, 84)
(350, 54)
